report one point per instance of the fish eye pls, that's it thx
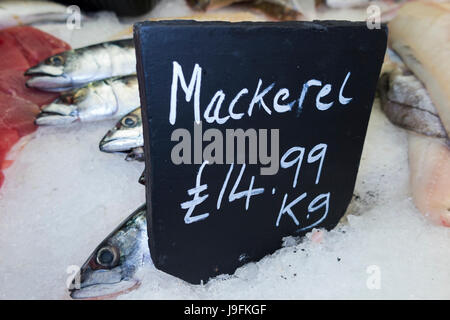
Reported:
(56, 60)
(129, 121)
(108, 257)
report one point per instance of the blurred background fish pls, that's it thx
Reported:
(14, 13)
(74, 68)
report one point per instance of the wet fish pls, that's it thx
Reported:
(75, 68)
(429, 163)
(406, 103)
(102, 99)
(420, 34)
(126, 136)
(13, 13)
(111, 269)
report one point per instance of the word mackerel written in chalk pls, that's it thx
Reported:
(213, 153)
(281, 101)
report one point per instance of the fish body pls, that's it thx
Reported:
(406, 103)
(111, 269)
(126, 136)
(429, 162)
(75, 68)
(98, 100)
(13, 13)
(420, 34)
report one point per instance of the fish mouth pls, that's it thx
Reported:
(117, 140)
(102, 284)
(117, 145)
(53, 119)
(44, 70)
(56, 114)
(105, 291)
(48, 78)
(50, 83)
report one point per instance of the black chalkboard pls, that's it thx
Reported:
(303, 89)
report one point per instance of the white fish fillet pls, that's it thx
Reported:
(429, 161)
(420, 34)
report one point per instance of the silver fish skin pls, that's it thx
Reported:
(111, 269)
(75, 68)
(98, 100)
(406, 103)
(127, 135)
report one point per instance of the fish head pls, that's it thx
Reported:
(110, 270)
(64, 71)
(63, 110)
(126, 135)
(51, 74)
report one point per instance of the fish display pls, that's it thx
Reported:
(20, 48)
(420, 35)
(75, 68)
(126, 136)
(13, 13)
(110, 270)
(102, 99)
(414, 93)
(406, 103)
(429, 161)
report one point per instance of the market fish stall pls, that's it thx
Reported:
(62, 196)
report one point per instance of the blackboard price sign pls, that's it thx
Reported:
(252, 131)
